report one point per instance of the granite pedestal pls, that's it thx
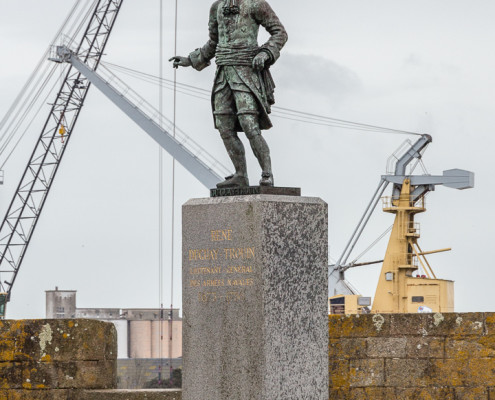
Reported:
(255, 298)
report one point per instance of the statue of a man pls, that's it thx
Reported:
(243, 89)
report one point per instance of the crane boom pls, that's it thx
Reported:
(24, 210)
(196, 166)
(419, 184)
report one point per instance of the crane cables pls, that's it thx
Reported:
(277, 111)
(40, 84)
(160, 197)
(172, 225)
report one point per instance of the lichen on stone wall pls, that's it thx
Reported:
(438, 318)
(412, 356)
(378, 321)
(45, 337)
(41, 359)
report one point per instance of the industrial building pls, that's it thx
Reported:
(149, 339)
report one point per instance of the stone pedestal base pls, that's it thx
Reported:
(255, 298)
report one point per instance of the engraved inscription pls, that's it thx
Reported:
(203, 254)
(220, 235)
(205, 270)
(211, 297)
(217, 269)
(241, 269)
(242, 253)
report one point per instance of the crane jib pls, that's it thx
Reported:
(27, 203)
(177, 150)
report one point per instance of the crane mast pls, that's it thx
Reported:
(398, 291)
(25, 208)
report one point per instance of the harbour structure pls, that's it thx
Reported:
(407, 282)
(149, 340)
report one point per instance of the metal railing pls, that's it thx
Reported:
(391, 202)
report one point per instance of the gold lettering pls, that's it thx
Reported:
(221, 235)
(215, 235)
(194, 283)
(241, 269)
(203, 254)
(250, 252)
(234, 296)
(240, 282)
(206, 297)
(205, 270)
(236, 253)
(213, 282)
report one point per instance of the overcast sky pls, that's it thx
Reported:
(423, 65)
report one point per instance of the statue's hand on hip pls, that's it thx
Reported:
(181, 61)
(259, 60)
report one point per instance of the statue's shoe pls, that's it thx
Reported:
(266, 179)
(234, 181)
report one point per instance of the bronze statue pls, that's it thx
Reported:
(243, 89)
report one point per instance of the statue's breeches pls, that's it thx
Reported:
(237, 91)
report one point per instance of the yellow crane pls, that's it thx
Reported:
(398, 289)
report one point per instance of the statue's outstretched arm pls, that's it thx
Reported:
(181, 61)
(200, 58)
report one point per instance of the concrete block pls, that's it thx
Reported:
(489, 323)
(470, 393)
(11, 375)
(83, 340)
(147, 394)
(408, 325)
(467, 348)
(370, 325)
(66, 375)
(367, 372)
(465, 324)
(57, 340)
(87, 374)
(54, 394)
(380, 347)
(39, 375)
(447, 356)
(425, 347)
(338, 394)
(407, 372)
(338, 372)
(381, 393)
(438, 324)
(463, 372)
(255, 298)
(7, 349)
(432, 393)
(347, 348)
(481, 372)
(456, 325)
(450, 372)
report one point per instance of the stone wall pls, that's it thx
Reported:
(394, 356)
(134, 373)
(150, 394)
(412, 356)
(55, 359)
